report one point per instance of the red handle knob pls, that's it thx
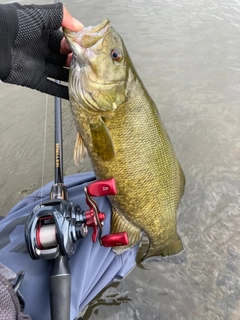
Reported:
(115, 239)
(102, 188)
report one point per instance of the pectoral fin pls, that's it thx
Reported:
(120, 224)
(80, 150)
(101, 140)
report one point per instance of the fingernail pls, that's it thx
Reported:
(78, 25)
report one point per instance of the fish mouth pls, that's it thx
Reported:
(86, 38)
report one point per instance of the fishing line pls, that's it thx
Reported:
(225, 14)
(44, 143)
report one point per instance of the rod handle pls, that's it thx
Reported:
(60, 289)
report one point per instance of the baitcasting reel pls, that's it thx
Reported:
(55, 226)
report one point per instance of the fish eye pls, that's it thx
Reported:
(116, 55)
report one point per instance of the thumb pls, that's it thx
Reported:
(70, 22)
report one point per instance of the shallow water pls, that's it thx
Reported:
(187, 55)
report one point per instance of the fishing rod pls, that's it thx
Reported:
(49, 228)
(60, 278)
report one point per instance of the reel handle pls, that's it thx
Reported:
(102, 188)
(115, 239)
(97, 189)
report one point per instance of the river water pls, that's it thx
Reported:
(187, 55)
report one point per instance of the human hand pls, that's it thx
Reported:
(33, 49)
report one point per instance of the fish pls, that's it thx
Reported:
(119, 127)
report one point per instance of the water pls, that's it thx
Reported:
(187, 54)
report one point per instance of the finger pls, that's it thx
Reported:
(57, 72)
(64, 47)
(57, 58)
(69, 59)
(54, 89)
(70, 22)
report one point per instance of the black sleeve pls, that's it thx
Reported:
(8, 34)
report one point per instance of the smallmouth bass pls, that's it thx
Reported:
(119, 127)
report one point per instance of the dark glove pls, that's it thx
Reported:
(30, 47)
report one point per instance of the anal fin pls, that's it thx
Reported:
(120, 224)
(80, 150)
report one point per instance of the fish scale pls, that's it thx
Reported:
(126, 140)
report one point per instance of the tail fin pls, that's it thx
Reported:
(172, 248)
(182, 181)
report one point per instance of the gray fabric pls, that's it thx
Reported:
(7, 273)
(10, 308)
